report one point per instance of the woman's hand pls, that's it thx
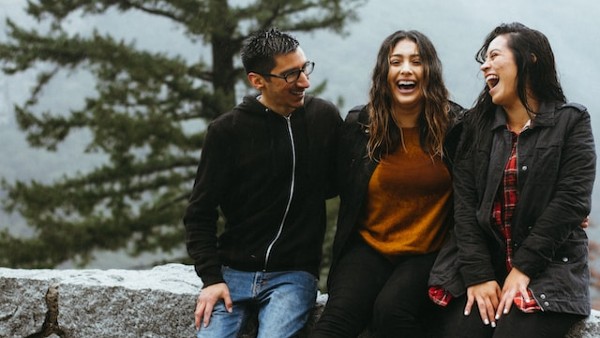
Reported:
(515, 282)
(487, 295)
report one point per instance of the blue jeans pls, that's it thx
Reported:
(283, 300)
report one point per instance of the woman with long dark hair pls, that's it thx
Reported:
(395, 193)
(523, 178)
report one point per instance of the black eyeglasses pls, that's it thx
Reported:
(294, 75)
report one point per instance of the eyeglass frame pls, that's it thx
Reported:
(285, 76)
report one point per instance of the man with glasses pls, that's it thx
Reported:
(268, 165)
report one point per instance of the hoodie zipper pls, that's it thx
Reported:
(289, 202)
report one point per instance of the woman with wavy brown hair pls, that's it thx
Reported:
(395, 193)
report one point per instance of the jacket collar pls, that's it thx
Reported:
(544, 118)
(363, 116)
(361, 119)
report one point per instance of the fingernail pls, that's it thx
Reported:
(497, 317)
(505, 311)
(493, 324)
(486, 322)
(466, 313)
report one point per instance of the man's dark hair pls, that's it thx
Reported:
(261, 48)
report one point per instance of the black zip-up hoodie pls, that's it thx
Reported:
(270, 175)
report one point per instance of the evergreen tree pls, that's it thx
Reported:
(138, 116)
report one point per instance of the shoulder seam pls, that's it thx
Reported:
(352, 115)
(575, 105)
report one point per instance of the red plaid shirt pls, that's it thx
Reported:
(506, 200)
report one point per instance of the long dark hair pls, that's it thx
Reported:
(536, 72)
(384, 134)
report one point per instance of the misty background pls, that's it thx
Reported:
(456, 27)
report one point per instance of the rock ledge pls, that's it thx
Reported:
(121, 304)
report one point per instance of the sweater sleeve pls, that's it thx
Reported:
(201, 215)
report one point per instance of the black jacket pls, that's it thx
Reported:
(270, 190)
(556, 171)
(355, 170)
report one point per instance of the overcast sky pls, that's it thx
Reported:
(456, 27)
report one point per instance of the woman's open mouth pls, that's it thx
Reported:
(406, 85)
(492, 81)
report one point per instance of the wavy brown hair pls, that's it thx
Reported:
(384, 134)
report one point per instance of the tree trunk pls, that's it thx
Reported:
(224, 49)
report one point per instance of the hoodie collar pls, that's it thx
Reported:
(251, 104)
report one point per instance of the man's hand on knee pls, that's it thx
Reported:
(207, 299)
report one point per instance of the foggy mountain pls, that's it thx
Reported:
(456, 27)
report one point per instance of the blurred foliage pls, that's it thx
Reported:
(136, 117)
(332, 211)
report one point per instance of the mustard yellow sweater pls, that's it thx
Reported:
(408, 200)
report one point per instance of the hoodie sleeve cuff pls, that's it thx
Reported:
(210, 276)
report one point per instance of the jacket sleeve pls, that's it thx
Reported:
(474, 259)
(201, 215)
(570, 202)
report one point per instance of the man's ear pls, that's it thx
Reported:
(256, 81)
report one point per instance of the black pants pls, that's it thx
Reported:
(367, 288)
(515, 324)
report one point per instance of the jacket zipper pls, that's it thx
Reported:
(287, 208)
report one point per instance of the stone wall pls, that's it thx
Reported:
(120, 303)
